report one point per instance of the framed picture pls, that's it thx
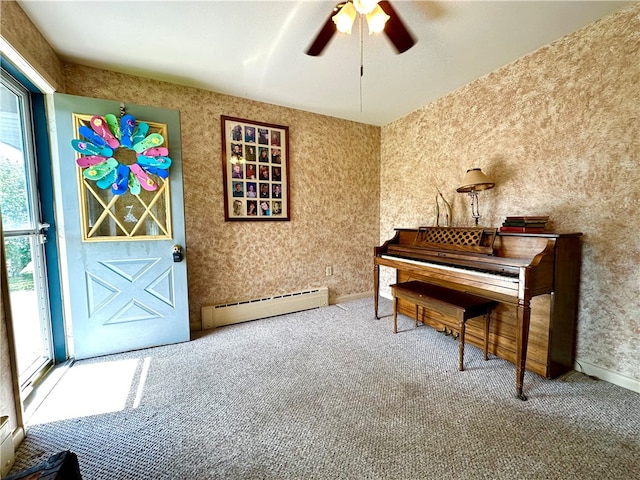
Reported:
(255, 169)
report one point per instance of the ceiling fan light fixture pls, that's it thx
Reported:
(345, 17)
(376, 20)
(365, 6)
(381, 17)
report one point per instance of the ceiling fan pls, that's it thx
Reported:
(380, 15)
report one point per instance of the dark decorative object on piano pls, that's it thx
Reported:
(525, 224)
(521, 272)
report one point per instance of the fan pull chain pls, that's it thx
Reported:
(361, 58)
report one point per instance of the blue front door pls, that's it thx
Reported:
(122, 288)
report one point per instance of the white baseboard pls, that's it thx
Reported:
(349, 298)
(7, 450)
(262, 307)
(607, 375)
(197, 326)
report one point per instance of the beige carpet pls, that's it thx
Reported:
(331, 393)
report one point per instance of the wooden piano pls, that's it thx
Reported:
(534, 277)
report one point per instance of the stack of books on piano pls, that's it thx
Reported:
(525, 224)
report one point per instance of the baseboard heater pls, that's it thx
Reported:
(228, 313)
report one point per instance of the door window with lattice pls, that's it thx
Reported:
(136, 214)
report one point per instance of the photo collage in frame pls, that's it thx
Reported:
(255, 170)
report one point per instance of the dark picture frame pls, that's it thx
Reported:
(255, 170)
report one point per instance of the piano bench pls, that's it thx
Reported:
(451, 303)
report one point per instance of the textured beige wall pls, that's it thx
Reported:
(334, 184)
(19, 31)
(558, 132)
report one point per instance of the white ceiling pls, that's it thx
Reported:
(255, 49)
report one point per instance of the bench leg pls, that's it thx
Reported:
(461, 348)
(395, 314)
(486, 334)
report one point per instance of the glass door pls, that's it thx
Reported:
(24, 234)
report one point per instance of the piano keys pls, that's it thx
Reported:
(534, 277)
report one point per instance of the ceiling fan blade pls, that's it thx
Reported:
(395, 29)
(323, 37)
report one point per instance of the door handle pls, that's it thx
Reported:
(178, 254)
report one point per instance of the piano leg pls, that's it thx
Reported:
(376, 288)
(395, 314)
(487, 319)
(461, 329)
(522, 340)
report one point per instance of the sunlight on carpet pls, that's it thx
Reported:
(98, 388)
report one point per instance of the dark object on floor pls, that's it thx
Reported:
(61, 466)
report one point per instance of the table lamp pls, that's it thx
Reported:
(473, 182)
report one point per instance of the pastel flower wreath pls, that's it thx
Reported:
(104, 137)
